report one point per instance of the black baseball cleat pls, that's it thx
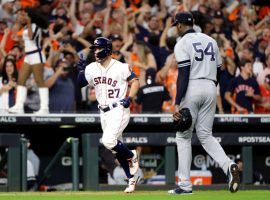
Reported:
(180, 191)
(234, 179)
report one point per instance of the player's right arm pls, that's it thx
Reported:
(133, 81)
(184, 64)
(134, 87)
(81, 79)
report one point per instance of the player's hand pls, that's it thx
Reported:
(81, 64)
(125, 102)
(176, 113)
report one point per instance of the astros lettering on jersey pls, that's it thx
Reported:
(110, 83)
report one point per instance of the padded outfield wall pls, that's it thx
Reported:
(152, 132)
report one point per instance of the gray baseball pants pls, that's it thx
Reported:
(200, 98)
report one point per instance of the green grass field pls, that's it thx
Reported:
(139, 195)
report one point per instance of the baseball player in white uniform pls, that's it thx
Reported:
(110, 79)
(199, 65)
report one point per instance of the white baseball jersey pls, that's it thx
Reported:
(201, 52)
(110, 83)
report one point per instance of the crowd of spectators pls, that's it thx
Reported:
(142, 36)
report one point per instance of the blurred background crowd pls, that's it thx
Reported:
(142, 36)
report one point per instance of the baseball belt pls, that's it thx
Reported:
(108, 108)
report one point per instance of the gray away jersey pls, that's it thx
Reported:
(201, 53)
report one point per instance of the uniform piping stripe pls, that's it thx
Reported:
(182, 62)
(106, 77)
(184, 66)
(105, 87)
(132, 75)
(101, 87)
(188, 64)
(110, 66)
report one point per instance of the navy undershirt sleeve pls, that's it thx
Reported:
(132, 76)
(182, 83)
(82, 82)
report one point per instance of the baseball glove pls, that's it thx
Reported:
(185, 121)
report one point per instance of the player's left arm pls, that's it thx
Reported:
(182, 83)
(133, 81)
(184, 64)
(218, 63)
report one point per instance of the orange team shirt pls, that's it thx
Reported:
(170, 84)
(264, 11)
(9, 43)
(136, 69)
(117, 4)
(29, 3)
(134, 4)
(19, 63)
(233, 15)
(265, 94)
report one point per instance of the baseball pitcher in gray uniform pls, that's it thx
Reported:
(199, 65)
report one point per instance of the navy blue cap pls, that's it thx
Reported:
(183, 18)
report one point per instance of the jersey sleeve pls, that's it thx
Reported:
(128, 73)
(181, 54)
(88, 76)
(184, 62)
